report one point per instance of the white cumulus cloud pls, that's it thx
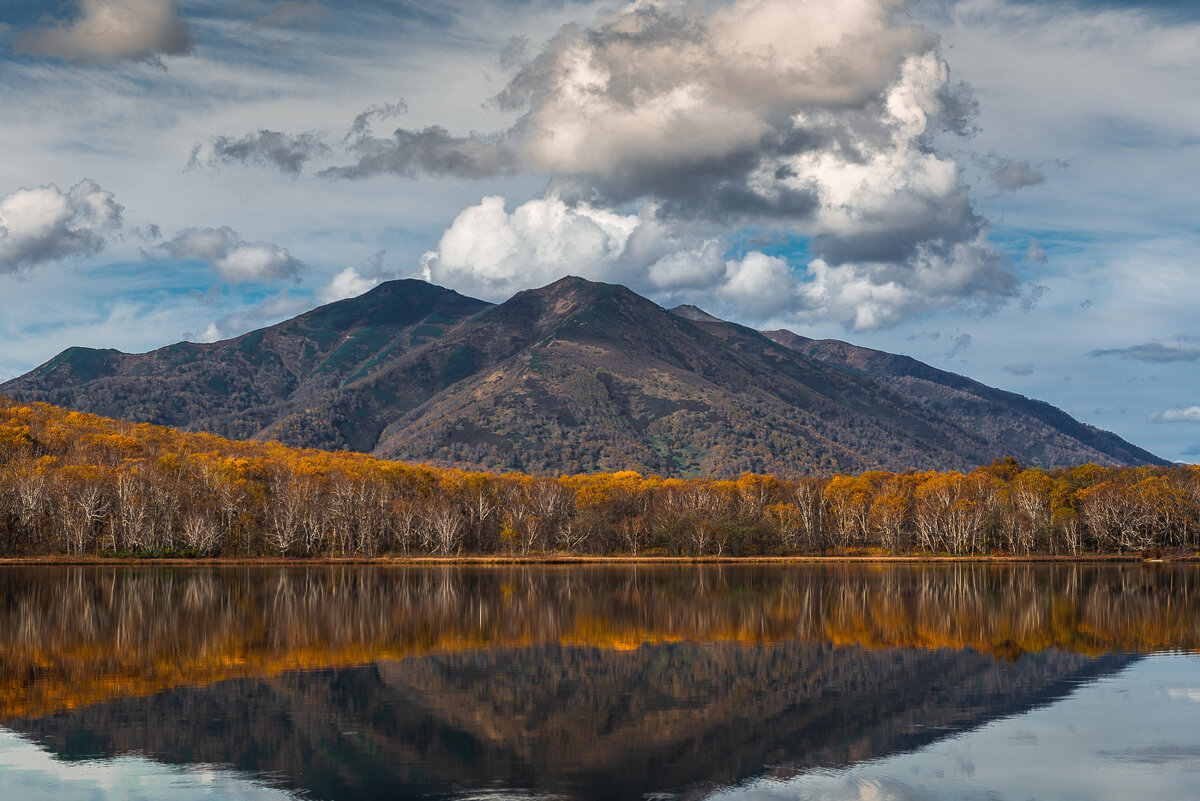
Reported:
(1188, 414)
(346, 284)
(45, 224)
(491, 252)
(108, 31)
(236, 260)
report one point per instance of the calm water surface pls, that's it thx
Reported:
(728, 682)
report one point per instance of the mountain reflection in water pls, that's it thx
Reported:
(597, 682)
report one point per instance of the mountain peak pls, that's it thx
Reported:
(694, 313)
(789, 339)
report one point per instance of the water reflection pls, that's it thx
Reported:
(598, 682)
(1122, 737)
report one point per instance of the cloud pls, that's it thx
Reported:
(110, 31)
(1032, 296)
(354, 281)
(147, 233)
(489, 252)
(236, 260)
(1190, 414)
(492, 253)
(1035, 253)
(265, 148)
(1019, 369)
(45, 224)
(271, 310)
(769, 112)
(871, 295)
(361, 127)
(1155, 352)
(961, 343)
(812, 120)
(1013, 175)
(346, 284)
(432, 151)
(294, 13)
(712, 116)
(759, 286)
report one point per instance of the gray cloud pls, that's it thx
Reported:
(294, 13)
(288, 153)
(1033, 295)
(45, 224)
(1155, 352)
(432, 151)
(698, 114)
(148, 233)
(110, 31)
(961, 343)
(235, 259)
(361, 127)
(1019, 369)
(1013, 175)
(514, 55)
(1035, 253)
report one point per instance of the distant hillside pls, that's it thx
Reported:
(573, 377)
(1017, 424)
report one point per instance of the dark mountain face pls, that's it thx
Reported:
(573, 377)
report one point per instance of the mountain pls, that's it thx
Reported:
(260, 383)
(573, 377)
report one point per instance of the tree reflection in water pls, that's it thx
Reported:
(601, 682)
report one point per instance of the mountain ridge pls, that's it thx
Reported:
(576, 376)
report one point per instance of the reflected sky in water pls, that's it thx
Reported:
(1135, 735)
(28, 772)
(800, 682)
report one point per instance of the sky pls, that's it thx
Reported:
(1005, 189)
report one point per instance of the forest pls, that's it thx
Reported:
(78, 484)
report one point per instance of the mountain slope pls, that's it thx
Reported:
(573, 377)
(1046, 434)
(243, 386)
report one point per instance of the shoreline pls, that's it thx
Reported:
(567, 559)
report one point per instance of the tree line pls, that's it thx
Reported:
(79, 484)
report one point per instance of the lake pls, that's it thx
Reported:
(824, 681)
